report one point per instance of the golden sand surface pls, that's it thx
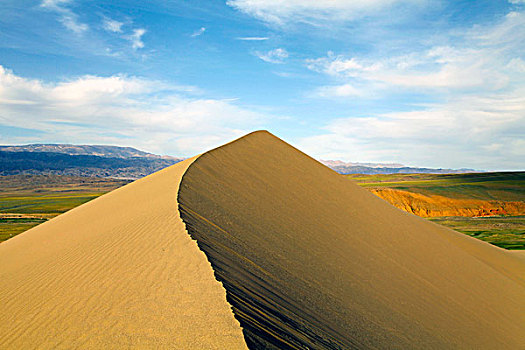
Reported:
(310, 259)
(306, 258)
(117, 272)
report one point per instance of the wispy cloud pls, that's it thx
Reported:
(253, 38)
(66, 16)
(119, 109)
(198, 32)
(112, 25)
(344, 90)
(310, 11)
(136, 38)
(130, 34)
(273, 56)
(478, 114)
(482, 59)
(480, 132)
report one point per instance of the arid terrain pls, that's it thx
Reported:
(488, 206)
(232, 249)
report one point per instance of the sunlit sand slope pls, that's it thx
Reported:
(309, 259)
(117, 272)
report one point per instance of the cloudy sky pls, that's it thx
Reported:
(421, 82)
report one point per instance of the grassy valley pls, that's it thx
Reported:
(488, 206)
(502, 186)
(28, 200)
(504, 231)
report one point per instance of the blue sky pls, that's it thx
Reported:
(421, 82)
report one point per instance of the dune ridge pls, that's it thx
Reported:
(117, 272)
(310, 259)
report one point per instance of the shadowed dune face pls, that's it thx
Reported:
(309, 259)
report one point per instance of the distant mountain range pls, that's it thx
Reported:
(131, 163)
(386, 168)
(89, 150)
(81, 160)
(335, 163)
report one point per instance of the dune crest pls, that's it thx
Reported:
(311, 260)
(118, 272)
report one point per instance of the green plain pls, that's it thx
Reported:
(501, 186)
(29, 200)
(503, 231)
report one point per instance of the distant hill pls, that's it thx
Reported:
(45, 163)
(334, 163)
(386, 168)
(129, 162)
(89, 150)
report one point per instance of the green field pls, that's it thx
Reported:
(27, 200)
(502, 186)
(505, 232)
(10, 227)
(44, 204)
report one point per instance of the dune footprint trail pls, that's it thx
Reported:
(254, 245)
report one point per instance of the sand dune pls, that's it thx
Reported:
(117, 272)
(306, 258)
(310, 259)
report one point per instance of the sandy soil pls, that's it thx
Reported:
(310, 259)
(117, 272)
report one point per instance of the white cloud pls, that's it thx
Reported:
(311, 11)
(477, 119)
(112, 25)
(131, 35)
(516, 2)
(198, 32)
(344, 90)
(136, 38)
(516, 65)
(67, 17)
(482, 59)
(122, 110)
(437, 68)
(273, 56)
(253, 38)
(480, 132)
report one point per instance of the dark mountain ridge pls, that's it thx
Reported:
(129, 162)
(46, 163)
